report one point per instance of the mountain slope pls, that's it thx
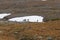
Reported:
(49, 9)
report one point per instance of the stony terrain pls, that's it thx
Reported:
(49, 9)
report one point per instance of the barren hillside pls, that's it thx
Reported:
(49, 9)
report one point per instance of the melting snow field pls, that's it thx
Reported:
(4, 15)
(27, 19)
(43, 0)
(23, 19)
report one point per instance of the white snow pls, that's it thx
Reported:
(43, 0)
(2, 15)
(27, 19)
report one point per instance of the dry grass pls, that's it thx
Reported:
(16, 31)
(30, 31)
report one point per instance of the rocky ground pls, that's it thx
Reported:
(49, 9)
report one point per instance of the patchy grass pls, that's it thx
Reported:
(30, 31)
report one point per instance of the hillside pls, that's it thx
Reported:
(48, 9)
(30, 31)
(49, 30)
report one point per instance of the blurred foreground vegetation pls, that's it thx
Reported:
(30, 31)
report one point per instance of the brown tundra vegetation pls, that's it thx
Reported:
(49, 30)
(30, 31)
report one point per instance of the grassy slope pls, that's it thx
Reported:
(51, 28)
(18, 8)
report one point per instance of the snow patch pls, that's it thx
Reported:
(43, 0)
(27, 19)
(2, 15)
